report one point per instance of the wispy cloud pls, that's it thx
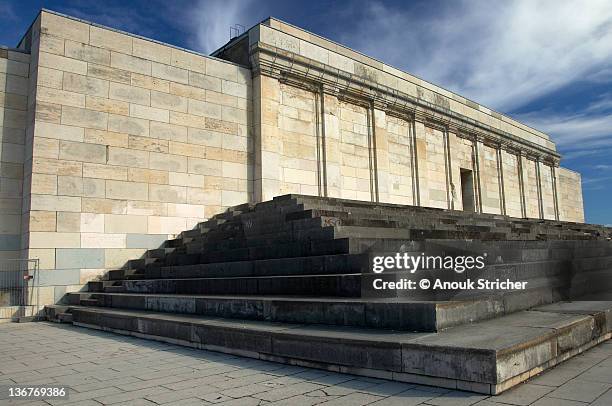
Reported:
(211, 21)
(502, 54)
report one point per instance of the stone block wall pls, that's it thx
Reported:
(132, 142)
(399, 152)
(14, 80)
(569, 189)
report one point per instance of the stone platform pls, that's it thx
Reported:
(288, 280)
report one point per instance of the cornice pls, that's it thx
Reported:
(306, 73)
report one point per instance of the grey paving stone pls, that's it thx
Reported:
(546, 401)
(456, 398)
(300, 400)
(579, 390)
(287, 391)
(604, 400)
(522, 395)
(354, 399)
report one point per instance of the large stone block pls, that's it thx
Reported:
(169, 132)
(86, 53)
(128, 157)
(186, 179)
(170, 73)
(55, 203)
(54, 240)
(79, 117)
(107, 105)
(62, 63)
(168, 101)
(57, 96)
(125, 224)
(50, 77)
(147, 175)
(107, 206)
(205, 81)
(126, 190)
(130, 63)
(145, 240)
(109, 138)
(149, 82)
(147, 208)
(205, 167)
(102, 240)
(57, 167)
(167, 193)
(186, 210)
(64, 27)
(166, 225)
(108, 73)
(104, 172)
(79, 258)
(222, 69)
(43, 184)
(115, 41)
(68, 222)
(116, 258)
(129, 125)
(188, 60)
(80, 151)
(149, 113)
(204, 109)
(42, 221)
(91, 222)
(168, 162)
(150, 50)
(130, 94)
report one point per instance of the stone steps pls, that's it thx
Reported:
(394, 314)
(486, 357)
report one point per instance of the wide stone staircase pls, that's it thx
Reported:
(290, 280)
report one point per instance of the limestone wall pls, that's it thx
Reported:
(132, 143)
(291, 39)
(14, 72)
(511, 182)
(399, 152)
(489, 179)
(570, 195)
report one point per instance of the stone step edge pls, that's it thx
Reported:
(179, 324)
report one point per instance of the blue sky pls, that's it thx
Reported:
(546, 63)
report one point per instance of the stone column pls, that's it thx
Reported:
(522, 184)
(414, 162)
(267, 139)
(478, 180)
(421, 162)
(380, 153)
(500, 173)
(555, 191)
(331, 123)
(320, 132)
(539, 185)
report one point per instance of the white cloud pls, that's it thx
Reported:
(211, 21)
(501, 54)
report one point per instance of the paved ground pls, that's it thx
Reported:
(104, 368)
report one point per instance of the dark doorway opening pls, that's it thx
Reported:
(467, 189)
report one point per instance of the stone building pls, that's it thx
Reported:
(112, 143)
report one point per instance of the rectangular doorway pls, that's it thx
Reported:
(467, 189)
